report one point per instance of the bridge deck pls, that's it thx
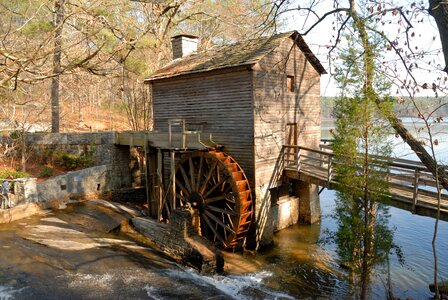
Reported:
(411, 185)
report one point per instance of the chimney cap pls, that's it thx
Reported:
(185, 35)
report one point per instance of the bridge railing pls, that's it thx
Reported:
(405, 177)
(317, 163)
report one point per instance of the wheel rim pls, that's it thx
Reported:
(214, 184)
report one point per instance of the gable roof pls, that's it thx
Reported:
(234, 55)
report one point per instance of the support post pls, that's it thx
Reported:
(415, 194)
(292, 140)
(173, 178)
(309, 202)
(159, 183)
(147, 174)
(151, 168)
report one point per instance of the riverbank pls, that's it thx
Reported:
(75, 253)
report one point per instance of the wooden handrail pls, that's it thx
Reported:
(308, 149)
(400, 171)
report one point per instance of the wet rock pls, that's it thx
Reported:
(19, 212)
(98, 215)
(28, 209)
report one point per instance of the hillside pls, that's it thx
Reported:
(73, 119)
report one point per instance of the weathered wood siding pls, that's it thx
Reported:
(223, 99)
(275, 106)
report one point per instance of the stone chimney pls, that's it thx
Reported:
(183, 45)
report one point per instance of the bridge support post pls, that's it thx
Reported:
(309, 202)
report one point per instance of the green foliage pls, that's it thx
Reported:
(46, 172)
(13, 174)
(105, 36)
(400, 109)
(36, 27)
(146, 42)
(136, 65)
(72, 162)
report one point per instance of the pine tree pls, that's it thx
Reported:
(363, 236)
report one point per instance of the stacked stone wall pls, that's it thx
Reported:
(181, 241)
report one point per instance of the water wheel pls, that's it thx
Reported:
(213, 183)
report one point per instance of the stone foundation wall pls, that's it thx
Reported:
(180, 240)
(82, 184)
(100, 144)
(111, 170)
(282, 206)
(86, 183)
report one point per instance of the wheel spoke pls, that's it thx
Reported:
(225, 231)
(198, 181)
(224, 178)
(187, 193)
(184, 175)
(218, 221)
(207, 179)
(214, 199)
(192, 177)
(210, 225)
(228, 217)
(221, 210)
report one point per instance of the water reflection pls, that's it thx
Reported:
(363, 238)
(301, 267)
(304, 268)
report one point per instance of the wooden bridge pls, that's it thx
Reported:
(411, 185)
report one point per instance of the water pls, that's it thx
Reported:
(37, 264)
(71, 254)
(310, 269)
(418, 130)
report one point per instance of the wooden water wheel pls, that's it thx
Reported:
(213, 183)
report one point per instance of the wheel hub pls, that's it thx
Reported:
(197, 202)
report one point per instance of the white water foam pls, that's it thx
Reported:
(150, 290)
(7, 293)
(91, 280)
(233, 285)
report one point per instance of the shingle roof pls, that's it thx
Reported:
(238, 54)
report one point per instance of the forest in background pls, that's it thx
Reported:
(87, 60)
(403, 108)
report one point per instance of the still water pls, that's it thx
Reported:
(304, 267)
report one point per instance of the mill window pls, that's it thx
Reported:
(290, 83)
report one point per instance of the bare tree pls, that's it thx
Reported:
(58, 24)
(439, 10)
(345, 14)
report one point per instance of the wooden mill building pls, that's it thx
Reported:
(252, 96)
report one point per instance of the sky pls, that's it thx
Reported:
(424, 30)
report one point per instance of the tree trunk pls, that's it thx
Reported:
(23, 152)
(396, 123)
(439, 10)
(421, 152)
(59, 11)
